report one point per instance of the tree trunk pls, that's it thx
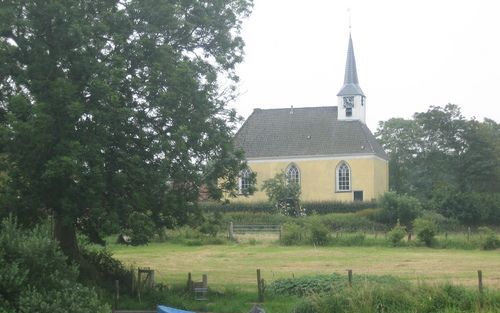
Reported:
(65, 234)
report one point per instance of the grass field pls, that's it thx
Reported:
(234, 265)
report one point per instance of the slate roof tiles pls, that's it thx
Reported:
(305, 132)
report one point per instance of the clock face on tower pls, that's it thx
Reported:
(349, 102)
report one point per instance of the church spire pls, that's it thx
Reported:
(351, 98)
(351, 83)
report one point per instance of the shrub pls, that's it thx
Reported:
(442, 222)
(354, 240)
(140, 228)
(470, 208)
(283, 195)
(318, 284)
(318, 233)
(326, 207)
(349, 222)
(394, 207)
(100, 267)
(310, 207)
(396, 234)
(425, 230)
(291, 234)
(212, 224)
(35, 275)
(228, 207)
(254, 218)
(489, 239)
(208, 228)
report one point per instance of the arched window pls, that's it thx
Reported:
(293, 174)
(343, 174)
(245, 181)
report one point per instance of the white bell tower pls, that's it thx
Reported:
(351, 99)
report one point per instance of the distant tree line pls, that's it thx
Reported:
(450, 163)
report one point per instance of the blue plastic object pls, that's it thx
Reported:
(166, 309)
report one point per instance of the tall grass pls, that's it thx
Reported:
(401, 298)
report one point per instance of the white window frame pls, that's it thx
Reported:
(296, 173)
(342, 166)
(244, 179)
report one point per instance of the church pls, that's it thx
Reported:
(329, 151)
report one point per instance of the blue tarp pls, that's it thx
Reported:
(166, 309)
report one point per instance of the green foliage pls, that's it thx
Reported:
(100, 268)
(308, 285)
(69, 298)
(398, 207)
(443, 223)
(291, 234)
(469, 208)
(35, 275)
(440, 149)
(193, 237)
(396, 234)
(283, 195)
(254, 218)
(349, 240)
(318, 232)
(400, 297)
(349, 222)
(212, 224)
(426, 230)
(232, 207)
(112, 107)
(489, 239)
(310, 207)
(325, 207)
(141, 228)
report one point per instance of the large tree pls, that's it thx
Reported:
(109, 107)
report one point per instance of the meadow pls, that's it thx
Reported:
(234, 265)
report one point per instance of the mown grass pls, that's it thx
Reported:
(234, 265)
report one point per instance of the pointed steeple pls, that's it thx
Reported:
(351, 83)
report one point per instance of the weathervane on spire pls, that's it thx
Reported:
(349, 14)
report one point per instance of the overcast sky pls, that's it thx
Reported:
(409, 55)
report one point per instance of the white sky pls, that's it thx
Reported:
(409, 55)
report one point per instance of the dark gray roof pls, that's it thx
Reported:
(351, 83)
(304, 132)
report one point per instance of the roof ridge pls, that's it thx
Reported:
(295, 108)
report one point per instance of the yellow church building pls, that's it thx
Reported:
(328, 150)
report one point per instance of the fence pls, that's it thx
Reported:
(253, 229)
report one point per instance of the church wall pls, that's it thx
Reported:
(381, 177)
(317, 177)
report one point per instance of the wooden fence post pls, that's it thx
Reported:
(117, 294)
(468, 233)
(480, 280)
(349, 277)
(190, 283)
(259, 287)
(204, 279)
(231, 232)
